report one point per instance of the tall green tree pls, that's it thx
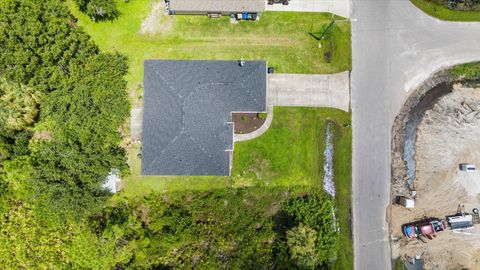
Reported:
(39, 42)
(19, 105)
(301, 242)
(317, 211)
(98, 10)
(82, 119)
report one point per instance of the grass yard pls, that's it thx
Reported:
(283, 39)
(443, 13)
(266, 161)
(288, 157)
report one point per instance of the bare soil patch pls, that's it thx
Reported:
(448, 134)
(247, 122)
(158, 21)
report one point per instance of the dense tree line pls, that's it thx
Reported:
(61, 97)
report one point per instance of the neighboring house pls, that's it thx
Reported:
(187, 106)
(210, 7)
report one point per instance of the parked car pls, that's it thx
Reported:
(466, 167)
(246, 16)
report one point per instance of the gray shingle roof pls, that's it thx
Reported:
(218, 5)
(186, 113)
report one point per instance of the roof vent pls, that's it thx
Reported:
(241, 62)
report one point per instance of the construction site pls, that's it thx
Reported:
(433, 217)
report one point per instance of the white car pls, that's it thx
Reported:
(466, 167)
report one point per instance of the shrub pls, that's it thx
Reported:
(262, 116)
(301, 242)
(316, 211)
(99, 10)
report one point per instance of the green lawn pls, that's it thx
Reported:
(289, 156)
(283, 39)
(266, 161)
(443, 13)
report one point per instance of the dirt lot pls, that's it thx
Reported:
(448, 134)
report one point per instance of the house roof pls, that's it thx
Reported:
(218, 5)
(187, 127)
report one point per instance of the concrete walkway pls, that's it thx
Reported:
(339, 7)
(309, 90)
(136, 124)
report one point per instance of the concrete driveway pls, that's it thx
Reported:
(310, 90)
(395, 48)
(339, 7)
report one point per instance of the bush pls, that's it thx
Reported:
(262, 116)
(315, 211)
(301, 242)
(99, 10)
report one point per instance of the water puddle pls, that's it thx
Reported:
(414, 118)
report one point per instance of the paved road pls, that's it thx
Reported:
(395, 48)
(310, 90)
(339, 7)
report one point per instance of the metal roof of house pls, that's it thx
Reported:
(187, 127)
(218, 5)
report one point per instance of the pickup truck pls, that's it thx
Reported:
(426, 227)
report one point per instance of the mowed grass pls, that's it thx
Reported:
(289, 153)
(287, 157)
(282, 39)
(342, 165)
(443, 13)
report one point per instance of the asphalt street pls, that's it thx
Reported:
(395, 48)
